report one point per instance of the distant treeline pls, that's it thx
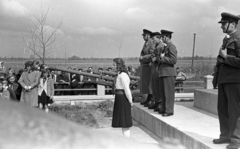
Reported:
(93, 58)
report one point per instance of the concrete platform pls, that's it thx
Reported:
(206, 99)
(193, 128)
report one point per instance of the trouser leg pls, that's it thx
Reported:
(223, 112)
(157, 90)
(233, 96)
(161, 94)
(169, 91)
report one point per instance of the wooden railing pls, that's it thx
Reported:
(100, 89)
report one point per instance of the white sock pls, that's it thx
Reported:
(126, 132)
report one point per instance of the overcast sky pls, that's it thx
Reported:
(95, 28)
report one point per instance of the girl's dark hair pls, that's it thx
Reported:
(120, 65)
(12, 76)
(45, 71)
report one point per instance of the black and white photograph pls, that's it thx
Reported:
(113, 74)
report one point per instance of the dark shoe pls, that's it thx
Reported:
(144, 102)
(158, 108)
(233, 145)
(149, 98)
(153, 105)
(221, 141)
(167, 114)
(148, 103)
(161, 112)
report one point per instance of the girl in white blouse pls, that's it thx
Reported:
(123, 99)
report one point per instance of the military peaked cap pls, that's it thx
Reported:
(155, 34)
(166, 32)
(145, 31)
(228, 17)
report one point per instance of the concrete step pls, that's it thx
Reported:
(206, 99)
(194, 129)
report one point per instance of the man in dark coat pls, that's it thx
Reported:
(158, 49)
(167, 74)
(228, 80)
(145, 60)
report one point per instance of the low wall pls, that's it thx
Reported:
(206, 100)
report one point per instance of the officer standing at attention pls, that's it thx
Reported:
(158, 48)
(167, 74)
(228, 80)
(145, 60)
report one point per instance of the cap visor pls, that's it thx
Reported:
(223, 21)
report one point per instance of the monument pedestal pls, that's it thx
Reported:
(206, 100)
(194, 129)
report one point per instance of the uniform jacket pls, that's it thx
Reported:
(148, 48)
(167, 62)
(229, 70)
(159, 48)
(30, 79)
(47, 86)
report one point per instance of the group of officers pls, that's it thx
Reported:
(158, 58)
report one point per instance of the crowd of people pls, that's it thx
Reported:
(32, 85)
(63, 82)
(71, 83)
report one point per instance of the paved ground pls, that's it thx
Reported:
(138, 132)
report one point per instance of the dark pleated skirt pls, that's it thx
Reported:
(122, 117)
(43, 99)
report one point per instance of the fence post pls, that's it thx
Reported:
(208, 81)
(72, 103)
(100, 90)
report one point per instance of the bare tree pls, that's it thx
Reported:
(42, 38)
(118, 41)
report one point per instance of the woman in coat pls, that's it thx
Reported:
(29, 81)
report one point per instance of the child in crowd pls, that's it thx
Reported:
(2, 67)
(3, 95)
(11, 72)
(15, 86)
(45, 90)
(5, 92)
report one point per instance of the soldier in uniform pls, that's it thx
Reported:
(158, 48)
(167, 74)
(228, 80)
(145, 60)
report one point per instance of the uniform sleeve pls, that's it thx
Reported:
(232, 60)
(159, 52)
(125, 84)
(146, 58)
(172, 58)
